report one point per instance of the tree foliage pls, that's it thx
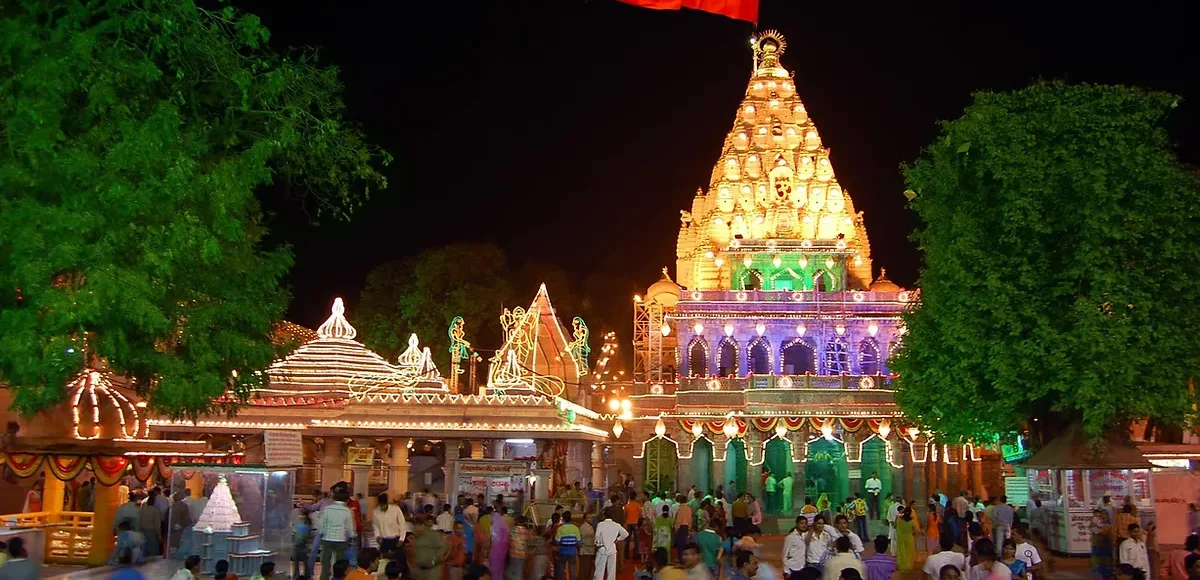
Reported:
(1059, 234)
(135, 134)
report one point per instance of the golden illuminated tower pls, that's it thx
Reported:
(774, 215)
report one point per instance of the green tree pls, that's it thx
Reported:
(424, 293)
(135, 135)
(1059, 235)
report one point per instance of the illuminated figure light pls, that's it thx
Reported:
(741, 296)
(728, 329)
(92, 393)
(858, 296)
(656, 389)
(713, 384)
(537, 356)
(696, 295)
(785, 382)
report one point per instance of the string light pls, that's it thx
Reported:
(93, 389)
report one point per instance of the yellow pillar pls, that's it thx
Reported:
(398, 474)
(195, 485)
(102, 524)
(53, 492)
(477, 449)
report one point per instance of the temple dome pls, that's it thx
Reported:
(882, 284)
(665, 291)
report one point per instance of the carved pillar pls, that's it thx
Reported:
(54, 491)
(754, 467)
(451, 448)
(103, 536)
(361, 473)
(498, 448)
(598, 466)
(333, 464)
(398, 474)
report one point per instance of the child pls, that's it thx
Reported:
(301, 534)
(265, 571)
(222, 571)
(644, 530)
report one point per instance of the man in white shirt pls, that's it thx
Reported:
(844, 559)
(336, 525)
(817, 542)
(947, 557)
(794, 548)
(388, 524)
(445, 520)
(841, 528)
(608, 533)
(471, 512)
(873, 487)
(893, 513)
(1026, 551)
(1133, 550)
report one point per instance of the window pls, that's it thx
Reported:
(752, 280)
(727, 359)
(698, 358)
(868, 357)
(798, 358)
(759, 357)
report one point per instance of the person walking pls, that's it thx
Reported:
(388, 523)
(906, 548)
(337, 529)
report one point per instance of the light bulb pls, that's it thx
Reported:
(748, 261)
(614, 405)
(803, 262)
(840, 329)
(666, 330)
(698, 328)
(697, 430)
(718, 261)
(827, 431)
(780, 429)
(760, 328)
(730, 429)
(885, 429)
(857, 260)
(800, 330)
(626, 405)
(777, 262)
(829, 263)
(728, 329)
(913, 432)
(660, 428)
(873, 329)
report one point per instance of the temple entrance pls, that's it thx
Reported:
(826, 473)
(735, 463)
(798, 358)
(660, 465)
(778, 459)
(874, 460)
(702, 459)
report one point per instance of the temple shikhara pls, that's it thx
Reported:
(768, 352)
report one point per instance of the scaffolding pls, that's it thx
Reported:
(653, 352)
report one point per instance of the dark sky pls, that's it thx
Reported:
(573, 132)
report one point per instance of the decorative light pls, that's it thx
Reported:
(857, 260)
(718, 261)
(660, 428)
(803, 262)
(801, 329)
(698, 328)
(656, 389)
(873, 328)
(728, 329)
(614, 405)
(709, 254)
(713, 384)
(777, 261)
(93, 389)
(618, 429)
(780, 429)
(760, 328)
(885, 428)
(730, 429)
(666, 330)
(626, 405)
(913, 432)
(827, 431)
(785, 382)
(748, 261)
(840, 329)
(829, 263)
(841, 244)
(637, 298)
(903, 330)
(697, 430)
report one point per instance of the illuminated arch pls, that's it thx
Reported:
(726, 357)
(868, 357)
(698, 357)
(758, 357)
(797, 357)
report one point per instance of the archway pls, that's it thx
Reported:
(727, 365)
(752, 280)
(868, 357)
(874, 460)
(698, 358)
(758, 357)
(702, 459)
(798, 357)
(735, 463)
(825, 472)
(778, 459)
(659, 458)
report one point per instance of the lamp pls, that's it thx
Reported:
(780, 429)
(660, 428)
(748, 261)
(827, 431)
(840, 329)
(913, 432)
(760, 328)
(777, 262)
(829, 263)
(803, 262)
(801, 329)
(728, 329)
(697, 430)
(618, 429)
(730, 429)
(885, 429)
(698, 328)
(666, 330)
(614, 405)
(873, 328)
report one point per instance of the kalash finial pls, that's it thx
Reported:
(337, 326)
(768, 47)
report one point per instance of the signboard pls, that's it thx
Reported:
(854, 473)
(1016, 451)
(1172, 494)
(1111, 482)
(283, 448)
(1016, 489)
(1079, 535)
(360, 456)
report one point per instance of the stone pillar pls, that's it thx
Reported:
(451, 447)
(754, 466)
(542, 491)
(398, 474)
(598, 479)
(798, 439)
(743, 366)
(54, 491)
(362, 473)
(498, 448)
(333, 464)
(477, 448)
(103, 536)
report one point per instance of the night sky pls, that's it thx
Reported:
(573, 132)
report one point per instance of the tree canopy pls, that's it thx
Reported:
(1059, 238)
(135, 135)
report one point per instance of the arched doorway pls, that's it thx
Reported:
(778, 459)
(758, 357)
(727, 358)
(752, 280)
(798, 357)
(702, 459)
(735, 463)
(659, 458)
(825, 471)
(874, 460)
(868, 357)
(698, 358)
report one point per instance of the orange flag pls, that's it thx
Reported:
(736, 9)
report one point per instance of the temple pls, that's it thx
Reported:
(769, 353)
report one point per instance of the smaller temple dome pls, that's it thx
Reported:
(665, 291)
(882, 284)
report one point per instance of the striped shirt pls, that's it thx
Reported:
(336, 523)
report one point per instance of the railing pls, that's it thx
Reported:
(68, 534)
(845, 382)
(797, 296)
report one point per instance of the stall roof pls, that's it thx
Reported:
(1071, 451)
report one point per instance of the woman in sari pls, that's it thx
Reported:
(499, 545)
(906, 542)
(933, 531)
(824, 508)
(1102, 545)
